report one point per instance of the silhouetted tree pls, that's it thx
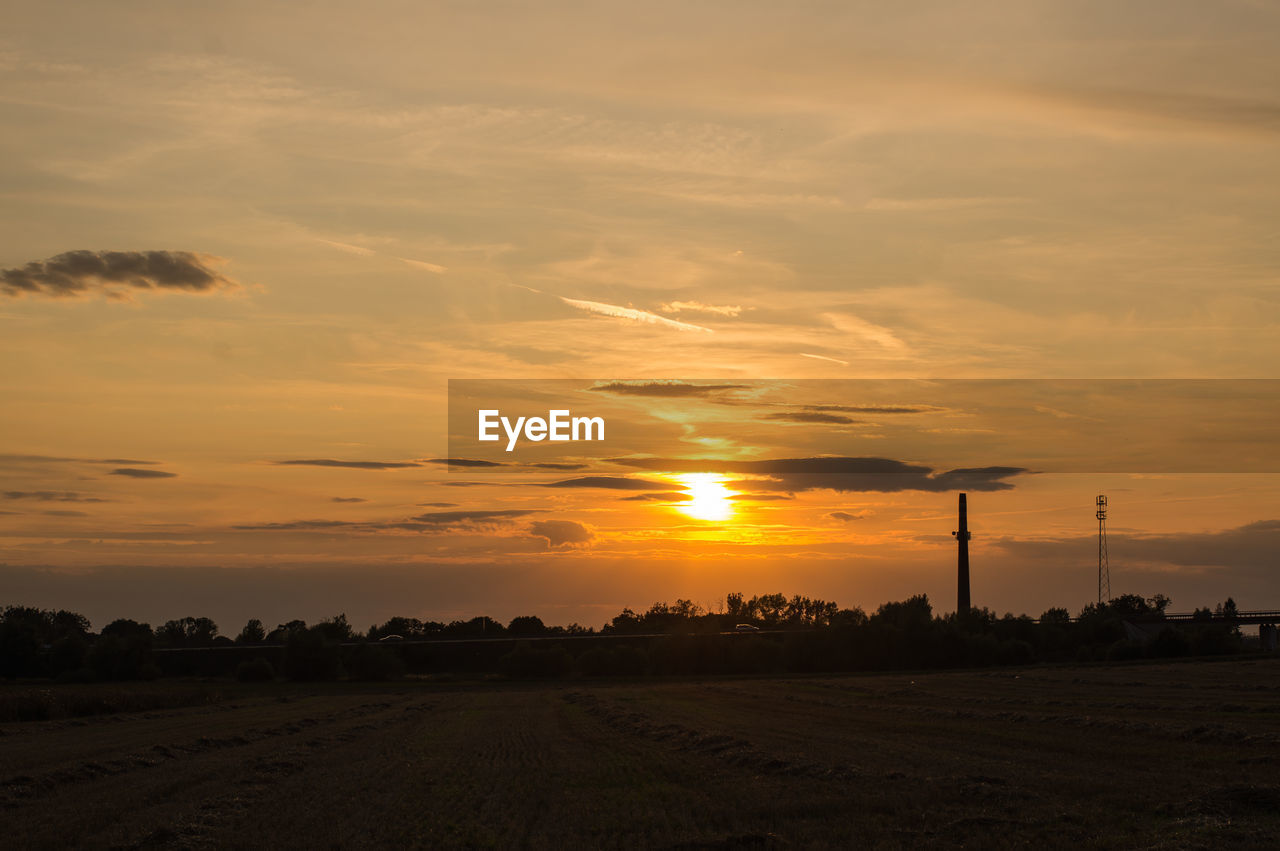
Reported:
(625, 621)
(282, 632)
(253, 633)
(527, 625)
(335, 628)
(406, 627)
(38, 642)
(912, 613)
(187, 632)
(478, 627)
(1056, 617)
(1227, 610)
(123, 652)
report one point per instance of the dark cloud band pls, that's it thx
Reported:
(837, 473)
(76, 273)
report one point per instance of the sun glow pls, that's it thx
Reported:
(709, 498)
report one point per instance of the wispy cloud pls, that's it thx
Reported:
(51, 496)
(825, 358)
(363, 251)
(351, 465)
(429, 522)
(631, 313)
(57, 459)
(348, 247)
(817, 417)
(933, 204)
(661, 496)
(464, 462)
(667, 389)
(434, 268)
(135, 473)
(699, 307)
(610, 483)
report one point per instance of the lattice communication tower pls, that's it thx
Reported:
(1104, 569)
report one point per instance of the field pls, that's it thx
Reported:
(1169, 755)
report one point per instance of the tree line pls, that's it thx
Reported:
(667, 638)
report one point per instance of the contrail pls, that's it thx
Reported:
(824, 357)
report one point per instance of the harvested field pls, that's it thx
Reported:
(1168, 755)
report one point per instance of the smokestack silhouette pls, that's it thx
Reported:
(962, 560)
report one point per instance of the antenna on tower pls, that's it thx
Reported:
(1104, 569)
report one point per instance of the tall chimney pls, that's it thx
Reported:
(962, 563)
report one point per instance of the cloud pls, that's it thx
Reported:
(352, 465)
(857, 327)
(295, 525)
(349, 499)
(934, 204)
(610, 482)
(837, 473)
(429, 522)
(761, 497)
(662, 496)
(362, 251)
(134, 473)
(1199, 111)
(699, 307)
(846, 517)
(668, 389)
(1250, 548)
(359, 250)
(437, 504)
(562, 533)
(447, 518)
(877, 409)
(631, 313)
(434, 268)
(464, 462)
(65, 513)
(52, 496)
(7, 459)
(76, 273)
(552, 465)
(810, 417)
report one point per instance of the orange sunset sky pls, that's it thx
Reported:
(245, 246)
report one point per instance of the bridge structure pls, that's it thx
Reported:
(1271, 616)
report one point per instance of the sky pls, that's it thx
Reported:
(240, 238)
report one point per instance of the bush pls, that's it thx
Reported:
(1126, 648)
(1169, 643)
(1015, 652)
(374, 663)
(613, 662)
(308, 656)
(598, 662)
(754, 655)
(525, 662)
(256, 671)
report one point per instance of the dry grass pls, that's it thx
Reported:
(1177, 755)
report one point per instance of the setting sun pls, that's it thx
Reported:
(709, 498)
